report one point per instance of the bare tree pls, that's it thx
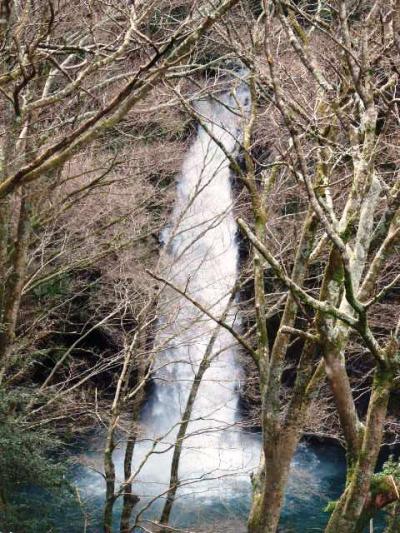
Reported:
(333, 146)
(53, 86)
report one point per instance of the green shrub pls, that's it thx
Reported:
(33, 487)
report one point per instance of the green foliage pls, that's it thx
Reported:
(35, 221)
(393, 518)
(383, 481)
(30, 473)
(390, 468)
(54, 287)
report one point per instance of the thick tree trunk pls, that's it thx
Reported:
(338, 380)
(279, 442)
(269, 486)
(347, 516)
(270, 483)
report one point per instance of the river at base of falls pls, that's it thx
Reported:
(317, 477)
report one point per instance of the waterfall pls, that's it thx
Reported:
(201, 258)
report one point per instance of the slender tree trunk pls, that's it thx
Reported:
(7, 155)
(109, 472)
(16, 280)
(174, 477)
(174, 481)
(129, 499)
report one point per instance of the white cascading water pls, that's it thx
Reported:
(201, 259)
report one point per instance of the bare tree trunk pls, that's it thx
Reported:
(279, 446)
(16, 280)
(109, 473)
(347, 516)
(7, 154)
(174, 475)
(116, 409)
(129, 499)
(338, 380)
(269, 493)
(122, 397)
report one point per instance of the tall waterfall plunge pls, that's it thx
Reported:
(201, 258)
